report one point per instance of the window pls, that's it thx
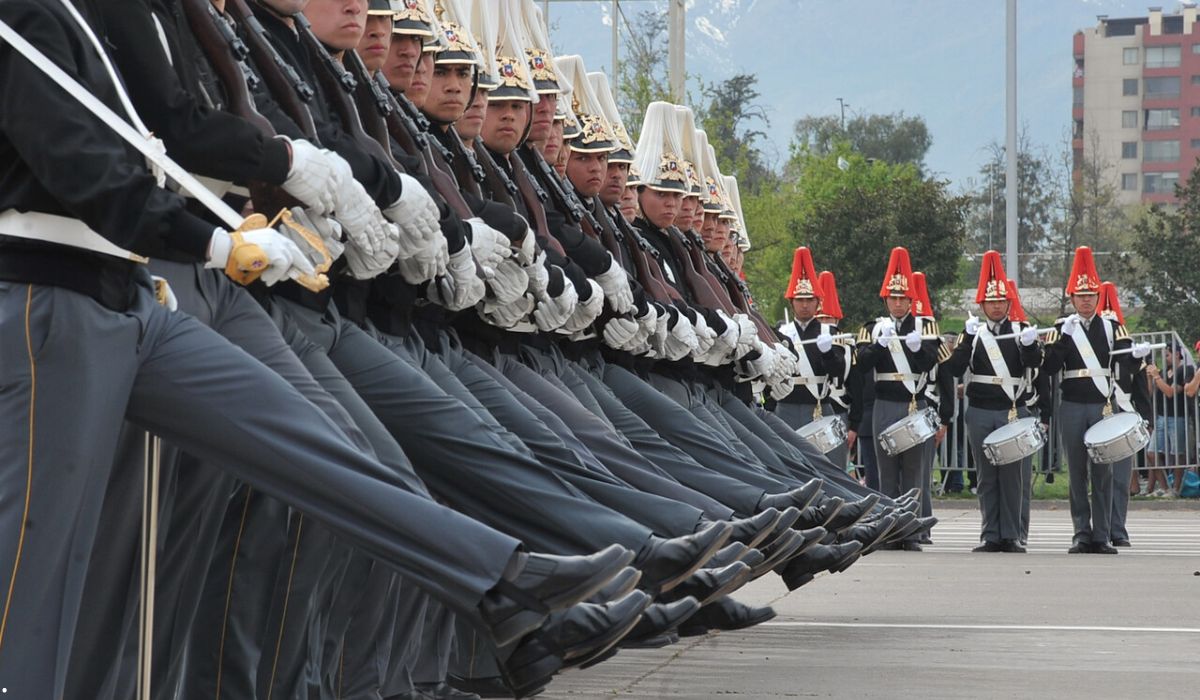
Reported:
(1129, 119)
(1160, 183)
(1196, 80)
(1128, 87)
(1195, 48)
(1129, 181)
(1196, 111)
(1195, 144)
(1129, 149)
(1158, 119)
(1160, 151)
(1164, 87)
(1077, 96)
(1130, 56)
(1162, 56)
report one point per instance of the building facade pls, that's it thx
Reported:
(1136, 106)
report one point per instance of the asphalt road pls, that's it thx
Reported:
(946, 623)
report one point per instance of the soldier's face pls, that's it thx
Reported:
(659, 208)
(898, 306)
(418, 89)
(615, 177)
(586, 171)
(629, 204)
(805, 309)
(995, 310)
(403, 54)
(708, 228)
(373, 48)
(1085, 304)
(718, 238)
(471, 122)
(339, 24)
(687, 213)
(553, 144)
(543, 118)
(449, 90)
(504, 124)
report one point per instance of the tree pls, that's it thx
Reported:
(892, 138)
(1169, 243)
(851, 213)
(643, 69)
(728, 112)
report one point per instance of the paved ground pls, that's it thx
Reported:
(947, 623)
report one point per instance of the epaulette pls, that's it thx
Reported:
(944, 353)
(864, 335)
(930, 327)
(1121, 333)
(1052, 337)
(961, 338)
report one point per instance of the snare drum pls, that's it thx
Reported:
(1116, 437)
(826, 434)
(1014, 442)
(909, 432)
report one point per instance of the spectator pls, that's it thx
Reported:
(1170, 423)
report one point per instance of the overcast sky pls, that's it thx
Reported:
(941, 59)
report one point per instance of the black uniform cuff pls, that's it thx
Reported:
(276, 162)
(190, 235)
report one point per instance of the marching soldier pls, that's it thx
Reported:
(820, 360)
(996, 372)
(901, 350)
(1081, 349)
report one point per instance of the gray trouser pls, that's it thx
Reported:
(1092, 519)
(899, 473)
(1122, 472)
(798, 415)
(1000, 490)
(837, 481)
(73, 368)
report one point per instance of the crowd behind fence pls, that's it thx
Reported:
(1177, 415)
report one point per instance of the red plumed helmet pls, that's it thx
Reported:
(827, 287)
(1109, 304)
(897, 281)
(921, 305)
(803, 284)
(1084, 279)
(1016, 312)
(993, 283)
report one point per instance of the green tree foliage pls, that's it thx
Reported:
(852, 213)
(643, 69)
(729, 113)
(892, 138)
(1169, 244)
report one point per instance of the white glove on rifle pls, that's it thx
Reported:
(460, 287)
(416, 214)
(527, 249)
(725, 342)
(681, 340)
(824, 342)
(487, 244)
(1140, 350)
(705, 336)
(587, 311)
(780, 387)
(620, 333)
(539, 274)
(429, 264)
(762, 366)
(658, 337)
(1029, 335)
(913, 340)
(508, 281)
(552, 312)
(506, 315)
(313, 177)
(972, 325)
(362, 222)
(261, 253)
(747, 335)
(615, 283)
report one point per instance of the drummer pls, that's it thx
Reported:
(820, 359)
(1080, 347)
(900, 350)
(996, 388)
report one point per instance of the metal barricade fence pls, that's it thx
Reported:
(1175, 422)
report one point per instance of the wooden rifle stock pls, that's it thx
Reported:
(701, 292)
(504, 190)
(283, 82)
(533, 199)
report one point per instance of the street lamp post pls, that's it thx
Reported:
(843, 105)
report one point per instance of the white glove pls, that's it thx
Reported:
(415, 213)
(488, 245)
(615, 283)
(329, 230)
(681, 340)
(1141, 350)
(162, 292)
(620, 333)
(362, 222)
(760, 367)
(747, 334)
(913, 340)
(972, 324)
(658, 337)
(460, 287)
(539, 274)
(426, 266)
(552, 312)
(824, 342)
(780, 387)
(725, 343)
(705, 336)
(508, 281)
(1070, 325)
(648, 321)
(507, 315)
(262, 253)
(313, 177)
(1029, 336)
(785, 361)
(586, 311)
(886, 333)
(527, 249)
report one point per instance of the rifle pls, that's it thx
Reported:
(533, 196)
(286, 86)
(504, 190)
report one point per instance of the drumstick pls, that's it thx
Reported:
(839, 336)
(1154, 346)
(1009, 336)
